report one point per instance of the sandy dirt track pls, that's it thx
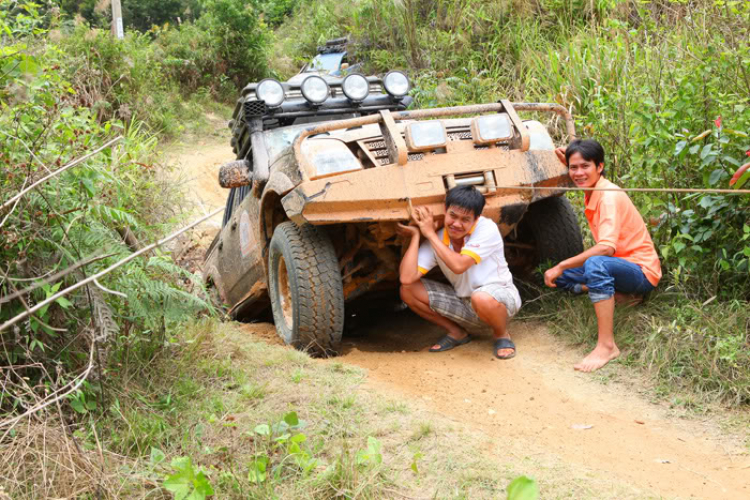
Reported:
(537, 404)
(534, 404)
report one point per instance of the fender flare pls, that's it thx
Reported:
(278, 183)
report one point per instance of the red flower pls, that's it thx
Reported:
(717, 121)
(739, 173)
(747, 152)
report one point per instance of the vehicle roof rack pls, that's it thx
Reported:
(338, 41)
(335, 45)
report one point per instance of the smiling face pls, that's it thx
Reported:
(584, 173)
(458, 221)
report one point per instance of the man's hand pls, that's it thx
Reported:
(560, 152)
(425, 220)
(409, 231)
(551, 276)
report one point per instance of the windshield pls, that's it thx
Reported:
(325, 62)
(278, 139)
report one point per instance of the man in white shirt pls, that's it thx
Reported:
(469, 251)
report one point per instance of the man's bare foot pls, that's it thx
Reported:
(627, 299)
(459, 335)
(597, 358)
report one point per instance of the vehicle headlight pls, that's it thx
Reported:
(329, 157)
(539, 138)
(356, 87)
(315, 89)
(396, 84)
(490, 129)
(270, 91)
(425, 136)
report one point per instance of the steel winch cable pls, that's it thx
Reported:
(629, 190)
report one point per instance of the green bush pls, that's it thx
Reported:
(117, 79)
(49, 115)
(240, 38)
(276, 11)
(191, 58)
(152, 75)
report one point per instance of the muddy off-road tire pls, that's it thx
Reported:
(304, 282)
(554, 228)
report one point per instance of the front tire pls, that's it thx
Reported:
(307, 296)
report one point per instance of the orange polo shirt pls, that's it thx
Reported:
(615, 222)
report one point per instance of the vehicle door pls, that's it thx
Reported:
(229, 251)
(243, 258)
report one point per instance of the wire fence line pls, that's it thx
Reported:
(111, 268)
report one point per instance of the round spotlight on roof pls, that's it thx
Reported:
(270, 91)
(315, 89)
(396, 84)
(356, 87)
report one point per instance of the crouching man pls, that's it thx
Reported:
(469, 251)
(623, 261)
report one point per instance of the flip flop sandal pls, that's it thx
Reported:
(504, 344)
(447, 343)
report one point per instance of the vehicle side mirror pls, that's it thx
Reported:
(235, 174)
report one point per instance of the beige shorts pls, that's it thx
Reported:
(445, 302)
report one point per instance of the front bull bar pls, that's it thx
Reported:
(397, 147)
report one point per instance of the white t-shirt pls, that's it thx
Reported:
(484, 244)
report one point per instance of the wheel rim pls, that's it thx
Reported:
(285, 294)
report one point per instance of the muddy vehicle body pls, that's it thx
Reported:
(321, 180)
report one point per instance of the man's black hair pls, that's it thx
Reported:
(589, 149)
(466, 197)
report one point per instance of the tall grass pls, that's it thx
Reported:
(696, 353)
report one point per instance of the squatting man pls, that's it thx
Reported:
(469, 251)
(623, 264)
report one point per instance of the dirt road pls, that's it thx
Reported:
(535, 404)
(195, 163)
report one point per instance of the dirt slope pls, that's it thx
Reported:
(534, 405)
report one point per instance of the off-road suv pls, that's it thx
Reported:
(326, 168)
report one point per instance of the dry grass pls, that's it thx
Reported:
(41, 459)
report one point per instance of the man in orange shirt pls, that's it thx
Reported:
(623, 260)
